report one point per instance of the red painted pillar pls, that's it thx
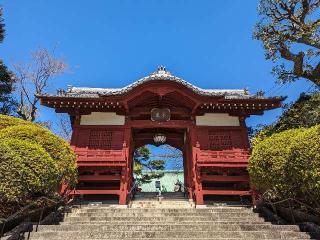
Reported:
(199, 192)
(189, 172)
(123, 187)
(63, 188)
(125, 171)
(197, 176)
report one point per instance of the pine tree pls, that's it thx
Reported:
(143, 163)
(290, 33)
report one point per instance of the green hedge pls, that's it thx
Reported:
(26, 170)
(58, 149)
(288, 163)
(8, 121)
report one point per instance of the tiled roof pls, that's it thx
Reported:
(160, 74)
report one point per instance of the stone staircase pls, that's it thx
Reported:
(167, 201)
(175, 219)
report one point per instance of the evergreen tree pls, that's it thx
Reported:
(145, 168)
(290, 33)
(6, 80)
(304, 113)
(1, 26)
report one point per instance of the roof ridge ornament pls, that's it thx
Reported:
(162, 70)
(69, 88)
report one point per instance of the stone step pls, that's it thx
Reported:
(162, 198)
(162, 202)
(190, 223)
(159, 214)
(169, 234)
(160, 207)
(149, 221)
(155, 197)
(168, 227)
(169, 204)
(163, 219)
(191, 210)
(76, 238)
(165, 194)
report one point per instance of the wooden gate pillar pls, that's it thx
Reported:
(197, 175)
(199, 193)
(123, 187)
(188, 168)
(125, 173)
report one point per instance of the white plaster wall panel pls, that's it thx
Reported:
(217, 119)
(102, 118)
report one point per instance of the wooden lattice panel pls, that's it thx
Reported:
(220, 140)
(99, 139)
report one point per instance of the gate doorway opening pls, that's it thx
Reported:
(159, 168)
(159, 160)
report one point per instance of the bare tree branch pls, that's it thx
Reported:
(32, 79)
(64, 126)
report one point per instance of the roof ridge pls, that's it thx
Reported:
(160, 74)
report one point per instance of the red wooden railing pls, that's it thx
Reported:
(97, 158)
(224, 158)
(234, 158)
(87, 157)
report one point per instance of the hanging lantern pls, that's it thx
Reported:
(159, 138)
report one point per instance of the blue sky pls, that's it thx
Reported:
(112, 43)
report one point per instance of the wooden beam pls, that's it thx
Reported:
(101, 164)
(147, 110)
(152, 124)
(99, 178)
(227, 192)
(223, 165)
(222, 160)
(218, 178)
(94, 191)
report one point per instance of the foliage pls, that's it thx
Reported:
(288, 164)
(58, 149)
(269, 158)
(1, 26)
(305, 112)
(26, 170)
(8, 121)
(6, 80)
(142, 162)
(33, 78)
(290, 33)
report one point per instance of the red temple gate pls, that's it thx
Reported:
(207, 125)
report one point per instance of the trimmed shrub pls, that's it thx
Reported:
(8, 121)
(26, 170)
(306, 152)
(288, 163)
(58, 149)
